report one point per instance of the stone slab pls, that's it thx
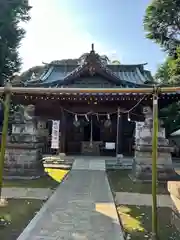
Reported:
(175, 205)
(175, 217)
(126, 198)
(174, 188)
(27, 193)
(91, 164)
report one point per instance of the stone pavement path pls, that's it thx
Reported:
(126, 198)
(81, 164)
(82, 208)
(27, 193)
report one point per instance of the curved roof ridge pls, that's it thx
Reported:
(109, 64)
(141, 77)
(126, 65)
(46, 74)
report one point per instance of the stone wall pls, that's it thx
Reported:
(174, 190)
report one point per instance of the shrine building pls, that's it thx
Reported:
(91, 123)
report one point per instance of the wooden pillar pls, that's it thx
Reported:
(119, 140)
(63, 131)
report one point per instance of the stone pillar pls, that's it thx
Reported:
(142, 167)
(174, 190)
(24, 149)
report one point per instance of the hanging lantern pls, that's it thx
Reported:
(108, 122)
(76, 121)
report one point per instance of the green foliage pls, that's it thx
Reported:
(12, 13)
(34, 71)
(116, 62)
(169, 71)
(174, 64)
(171, 117)
(162, 24)
(163, 74)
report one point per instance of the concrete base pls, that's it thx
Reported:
(143, 172)
(23, 162)
(142, 165)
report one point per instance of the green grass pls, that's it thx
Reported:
(136, 221)
(120, 182)
(51, 180)
(19, 213)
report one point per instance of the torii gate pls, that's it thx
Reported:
(154, 90)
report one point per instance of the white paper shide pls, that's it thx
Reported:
(55, 134)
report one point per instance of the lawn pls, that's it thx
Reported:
(18, 213)
(120, 182)
(51, 180)
(136, 221)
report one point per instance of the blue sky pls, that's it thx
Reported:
(66, 28)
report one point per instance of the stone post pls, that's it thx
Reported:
(142, 167)
(24, 150)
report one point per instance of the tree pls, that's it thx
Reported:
(174, 65)
(12, 13)
(162, 24)
(116, 62)
(171, 117)
(169, 71)
(163, 75)
(31, 73)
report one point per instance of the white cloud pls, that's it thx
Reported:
(53, 34)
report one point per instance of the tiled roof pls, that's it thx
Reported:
(56, 75)
(61, 74)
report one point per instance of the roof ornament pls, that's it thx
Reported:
(33, 76)
(92, 70)
(92, 47)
